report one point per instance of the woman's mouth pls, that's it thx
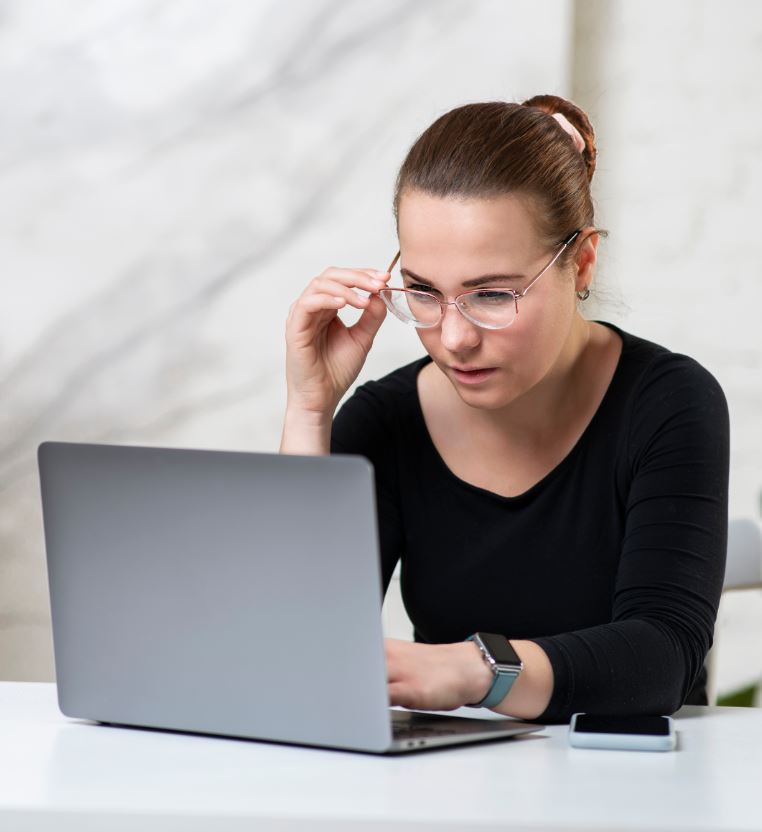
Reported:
(473, 376)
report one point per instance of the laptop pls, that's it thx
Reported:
(226, 593)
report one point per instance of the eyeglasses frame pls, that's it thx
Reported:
(442, 303)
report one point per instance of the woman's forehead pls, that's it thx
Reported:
(463, 235)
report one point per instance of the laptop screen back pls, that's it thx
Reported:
(215, 591)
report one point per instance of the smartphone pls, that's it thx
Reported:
(624, 733)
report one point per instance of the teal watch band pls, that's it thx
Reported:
(505, 672)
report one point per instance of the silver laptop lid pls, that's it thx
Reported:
(215, 591)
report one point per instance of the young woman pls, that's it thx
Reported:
(557, 483)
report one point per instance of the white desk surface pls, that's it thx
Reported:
(62, 774)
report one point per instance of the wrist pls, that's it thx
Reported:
(306, 431)
(478, 677)
(298, 414)
(531, 694)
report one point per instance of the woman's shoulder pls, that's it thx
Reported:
(663, 389)
(653, 366)
(370, 414)
(397, 385)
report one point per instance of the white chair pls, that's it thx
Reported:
(743, 571)
(744, 566)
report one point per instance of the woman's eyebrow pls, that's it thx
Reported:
(469, 284)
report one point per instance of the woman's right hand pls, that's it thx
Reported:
(323, 355)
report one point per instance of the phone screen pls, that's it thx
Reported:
(594, 724)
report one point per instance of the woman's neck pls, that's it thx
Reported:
(538, 415)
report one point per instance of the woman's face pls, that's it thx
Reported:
(445, 242)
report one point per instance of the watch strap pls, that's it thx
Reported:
(502, 682)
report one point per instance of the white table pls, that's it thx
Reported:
(63, 774)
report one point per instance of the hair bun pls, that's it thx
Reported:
(551, 104)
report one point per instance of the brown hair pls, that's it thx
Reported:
(493, 148)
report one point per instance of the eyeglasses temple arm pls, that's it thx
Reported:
(566, 243)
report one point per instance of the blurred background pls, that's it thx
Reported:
(173, 173)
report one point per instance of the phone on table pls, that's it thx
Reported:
(624, 733)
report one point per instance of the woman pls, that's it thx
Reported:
(556, 481)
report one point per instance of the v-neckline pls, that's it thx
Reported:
(560, 466)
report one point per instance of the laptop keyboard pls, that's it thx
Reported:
(406, 732)
(406, 725)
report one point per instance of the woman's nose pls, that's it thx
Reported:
(456, 332)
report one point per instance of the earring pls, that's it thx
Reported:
(584, 294)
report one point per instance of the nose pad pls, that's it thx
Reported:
(456, 331)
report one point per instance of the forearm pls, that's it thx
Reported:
(306, 433)
(636, 666)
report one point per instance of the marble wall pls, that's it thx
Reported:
(677, 108)
(173, 173)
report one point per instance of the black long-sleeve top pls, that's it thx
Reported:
(613, 562)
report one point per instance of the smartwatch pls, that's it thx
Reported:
(504, 663)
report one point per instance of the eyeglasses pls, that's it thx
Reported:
(489, 308)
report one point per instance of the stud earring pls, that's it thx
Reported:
(584, 294)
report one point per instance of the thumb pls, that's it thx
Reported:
(368, 324)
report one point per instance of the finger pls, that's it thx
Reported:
(339, 290)
(307, 305)
(365, 328)
(369, 279)
(400, 694)
(340, 273)
(313, 312)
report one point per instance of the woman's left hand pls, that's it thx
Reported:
(435, 677)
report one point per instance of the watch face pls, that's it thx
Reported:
(500, 648)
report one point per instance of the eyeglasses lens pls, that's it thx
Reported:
(490, 308)
(417, 308)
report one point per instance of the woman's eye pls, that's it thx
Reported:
(492, 296)
(419, 287)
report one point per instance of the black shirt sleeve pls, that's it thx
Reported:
(672, 564)
(364, 425)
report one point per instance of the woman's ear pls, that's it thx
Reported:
(585, 259)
